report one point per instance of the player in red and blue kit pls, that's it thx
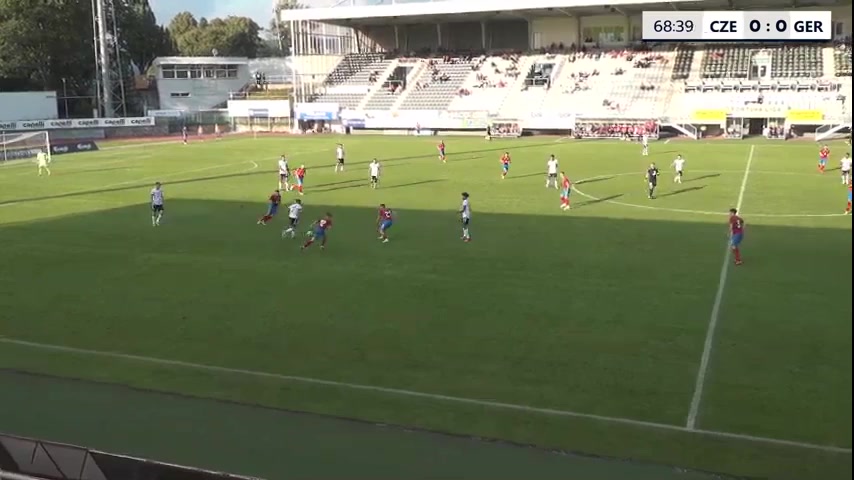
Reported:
(823, 154)
(299, 173)
(736, 225)
(505, 165)
(565, 190)
(272, 208)
(848, 208)
(318, 232)
(384, 221)
(441, 148)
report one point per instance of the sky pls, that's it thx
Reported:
(259, 10)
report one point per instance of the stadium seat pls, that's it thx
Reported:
(350, 65)
(495, 77)
(798, 61)
(727, 62)
(683, 62)
(438, 84)
(361, 83)
(395, 83)
(599, 83)
(842, 60)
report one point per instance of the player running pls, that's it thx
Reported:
(385, 220)
(566, 189)
(845, 168)
(284, 174)
(43, 160)
(374, 169)
(551, 169)
(318, 232)
(272, 208)
(441, 148)
(645, 145)
(505, 165)
(465, 217)
(736, 225)
(294, 212)
(299, 173)
(651, 180)
(339, 157)
(823, 154)
(848, 207)
(679, 168)
(156, 205)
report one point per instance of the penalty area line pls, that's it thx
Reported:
(415, 394)
(708, 345)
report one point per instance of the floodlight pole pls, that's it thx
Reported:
(103, 49)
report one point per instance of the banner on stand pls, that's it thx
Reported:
(317, 111)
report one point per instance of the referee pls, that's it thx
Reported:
(652, 179)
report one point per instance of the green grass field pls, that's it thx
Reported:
(581, 330)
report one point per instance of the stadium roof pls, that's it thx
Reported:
(200, 60)
(356, 13)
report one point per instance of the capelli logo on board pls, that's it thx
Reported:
(60, 124)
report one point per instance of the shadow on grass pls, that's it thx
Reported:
(681, 191)
(203, 288)
(702, 177)
(591, 202)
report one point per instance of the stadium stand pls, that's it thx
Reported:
(354, 78)
(632, 82)
(683, 62)
(799, 79)
(842, 61)
(523, 65)
(495, 77)
(438, 84)
(390, 90)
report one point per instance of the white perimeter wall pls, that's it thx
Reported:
(28, 106)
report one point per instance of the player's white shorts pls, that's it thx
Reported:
(678, 173)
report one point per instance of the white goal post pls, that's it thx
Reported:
(24, 145)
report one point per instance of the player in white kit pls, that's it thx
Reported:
(552, 169)
(645, 144)
(374, 169)
(294, 213)
(156, 205)
(339, 156)
(845, 168)
(43, 160)
(284, 173)
(465, 217)
(679, 168)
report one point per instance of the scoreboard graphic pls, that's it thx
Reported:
(737, 26)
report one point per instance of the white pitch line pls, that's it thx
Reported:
(708, 345)
(416, 394)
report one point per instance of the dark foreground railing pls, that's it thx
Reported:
(29, 459)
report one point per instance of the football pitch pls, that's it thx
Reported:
(619, 328)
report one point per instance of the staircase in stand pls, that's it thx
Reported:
(686, 129)
(379, 85)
